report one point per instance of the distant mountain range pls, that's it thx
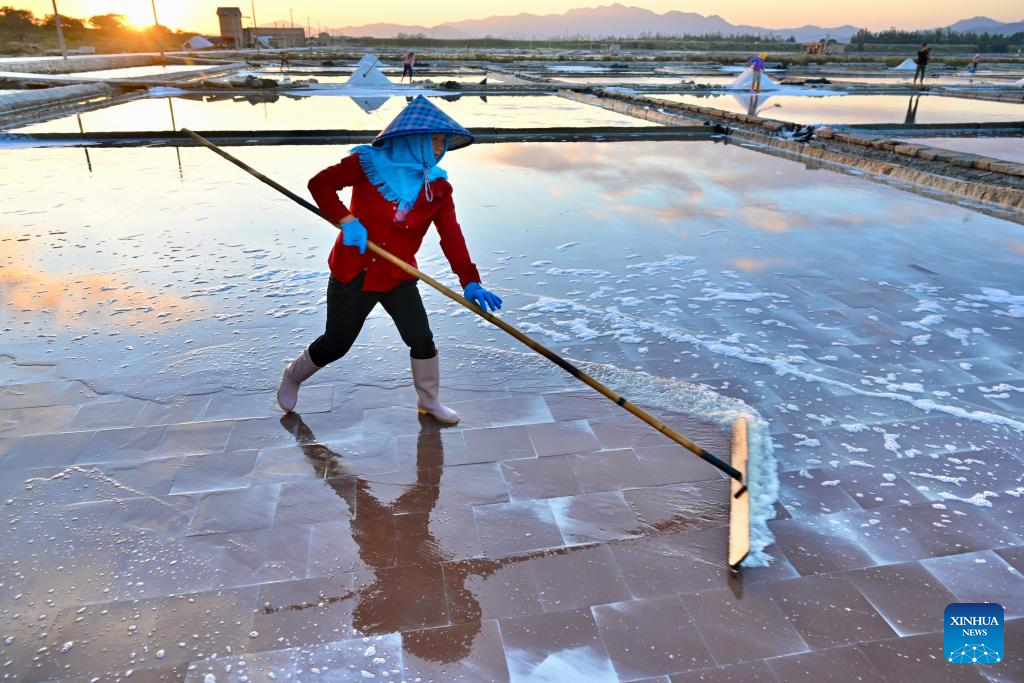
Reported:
(621, 21)
(986, 25)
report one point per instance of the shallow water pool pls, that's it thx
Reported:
(328, 112)
(714, 261)
(854, 109)
(134, 71)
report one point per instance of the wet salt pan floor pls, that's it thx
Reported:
(159, 512)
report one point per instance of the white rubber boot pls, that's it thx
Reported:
(297, 372)
(426, 376)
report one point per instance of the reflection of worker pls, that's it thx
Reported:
(407, 64)
(752, 102)
(391, 600)
(398, 191)
(911, 117)
(756, 64)
(922, 62)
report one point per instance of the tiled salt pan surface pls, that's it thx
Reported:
(327, 112)
(548, 534)
(1009, 149)
(851, 109)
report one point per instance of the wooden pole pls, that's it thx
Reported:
(60, 32)
(156, 29)
(498, 322)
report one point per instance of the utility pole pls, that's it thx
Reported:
(309, 31)
(291, 18)
(156, 29)
(255, 27)
(60, 31)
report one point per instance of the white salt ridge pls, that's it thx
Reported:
(940, 477)
(670, 263)
(539, 330)
(716, 294)
(571, 665)
(567, 245)
(1000, 388)
(578, 327)
(782, 365)
(1014, 302)
(978, 499)
(581, 272)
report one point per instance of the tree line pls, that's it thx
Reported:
(21, 29)
(984, 41)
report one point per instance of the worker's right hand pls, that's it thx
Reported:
(353, 234)
(481, 297)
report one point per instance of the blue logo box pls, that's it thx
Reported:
(973, 632)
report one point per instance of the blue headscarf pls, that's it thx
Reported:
(401, 167)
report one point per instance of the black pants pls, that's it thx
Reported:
(407, 70)
(920, 72)
(347, 309)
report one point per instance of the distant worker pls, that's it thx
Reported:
(285, 62)
(756, 64)
(922, 62)
(407, 64)
(974, 64)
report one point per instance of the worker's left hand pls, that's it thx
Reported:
(481, 297)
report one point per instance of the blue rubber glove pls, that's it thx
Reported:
(353, 234)
(481, 297)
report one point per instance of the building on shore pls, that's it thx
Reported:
(231, 32)
(234, 34)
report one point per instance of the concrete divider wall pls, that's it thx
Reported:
(76, 64)
(645, 111)
(828, 146)
(25, 100)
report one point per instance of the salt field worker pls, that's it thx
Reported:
(756, 64)
(922, 62)
(407, 64)
(974, 64)
(398, 190)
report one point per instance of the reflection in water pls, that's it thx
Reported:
(912, 105)
(290, 111)
(383, 605)
(88, 161)
(80, 301)
(853, 109)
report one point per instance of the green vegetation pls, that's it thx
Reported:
(741, 43)
(941, 40)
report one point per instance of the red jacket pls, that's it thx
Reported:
(401, 238)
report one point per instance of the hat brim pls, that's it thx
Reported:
(456, 139)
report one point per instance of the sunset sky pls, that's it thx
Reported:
(200, 16)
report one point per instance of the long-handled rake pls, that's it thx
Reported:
(739, 507)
